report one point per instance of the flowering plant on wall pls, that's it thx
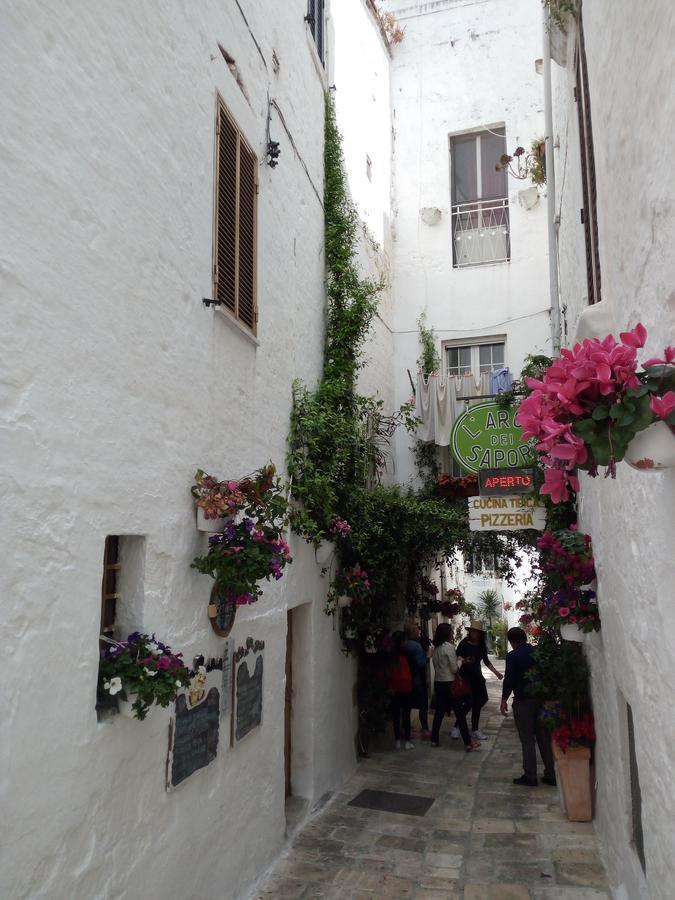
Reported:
(571, 606)
(251, 548)
(591, 402)
(575, 731)
(566, 558)
(466, 486)
(351, 585)
(143, 671)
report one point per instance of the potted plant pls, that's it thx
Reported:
(466, 486)
(141, 672)
(567, 566)
(251, 548)
(351, 585)
(338, 529)
(217, 502)
(592, 402)
(573, 738)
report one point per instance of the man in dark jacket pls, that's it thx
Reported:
(526, 710)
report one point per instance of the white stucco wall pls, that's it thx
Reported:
(117, 385)
(463, 67)
(632, 518)
(360, 71)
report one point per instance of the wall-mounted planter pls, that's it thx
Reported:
(221, 613)
(558, 38)
(324, 552)
(212, 526)
(653, 449)
(126, 708)
(574, 777)
(572, 633)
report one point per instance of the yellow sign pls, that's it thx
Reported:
(511, 513)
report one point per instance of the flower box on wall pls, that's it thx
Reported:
(212, 526)
(572, 633)
(652, 449)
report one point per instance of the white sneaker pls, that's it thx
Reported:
(409, 745)
(397, 745)
(478, 736)
(454, 734)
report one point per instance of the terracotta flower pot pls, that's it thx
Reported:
(574, 777)
(652, 449)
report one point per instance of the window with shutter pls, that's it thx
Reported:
(315, 20)
(589, 214)
(236, 191)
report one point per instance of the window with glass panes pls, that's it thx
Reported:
(474, 359)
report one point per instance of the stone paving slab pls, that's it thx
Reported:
(483, 838)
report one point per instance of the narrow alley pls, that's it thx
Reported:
(482, 837)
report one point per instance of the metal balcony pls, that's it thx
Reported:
(480, 233)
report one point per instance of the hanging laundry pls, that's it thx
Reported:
(500, 380)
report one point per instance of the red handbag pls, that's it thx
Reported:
(460, 687)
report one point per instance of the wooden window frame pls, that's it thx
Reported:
(229, 292)
(589, 213)
(109, 598)
(316, 19)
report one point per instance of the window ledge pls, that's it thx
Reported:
(236, 326)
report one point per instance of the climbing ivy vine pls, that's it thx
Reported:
(338, 449)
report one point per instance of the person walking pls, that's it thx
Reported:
(473, 650)
(399, 680)
(446, 668)
(526, 711)
(417, 660)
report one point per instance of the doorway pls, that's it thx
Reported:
(288, 705)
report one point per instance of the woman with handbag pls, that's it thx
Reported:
(473, 650)
(450, 688)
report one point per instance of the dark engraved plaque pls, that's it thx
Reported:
(249, 697)
(195, 739)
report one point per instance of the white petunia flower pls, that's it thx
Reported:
(114, 686)
(154, 649)
(150, 672)
(179, 684)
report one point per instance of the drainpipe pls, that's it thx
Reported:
(550, 188)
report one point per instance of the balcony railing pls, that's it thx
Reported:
(480, 233)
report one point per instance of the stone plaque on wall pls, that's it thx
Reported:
(248, 689)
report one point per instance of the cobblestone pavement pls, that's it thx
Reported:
(483, 838)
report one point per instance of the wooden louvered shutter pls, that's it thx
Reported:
(590, 211)
(246, 310)
(235, 221)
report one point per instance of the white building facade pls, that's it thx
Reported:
(613, 109)
(119, 383)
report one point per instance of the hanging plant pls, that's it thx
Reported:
(590, 404)
(252, 547)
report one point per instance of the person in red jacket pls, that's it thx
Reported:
(399, 680)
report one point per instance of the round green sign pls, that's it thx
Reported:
(485, 437)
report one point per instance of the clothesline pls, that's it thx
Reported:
(438, 403)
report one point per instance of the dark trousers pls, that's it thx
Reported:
(477, 700)
(421, 700)
(526, 715)
(400, 711)
(445, 704)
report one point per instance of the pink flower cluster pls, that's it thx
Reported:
(593, 373)
(340, 527)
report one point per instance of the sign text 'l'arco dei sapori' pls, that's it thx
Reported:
(486, 437)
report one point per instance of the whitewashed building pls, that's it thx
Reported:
(613, 111)
(118, 383)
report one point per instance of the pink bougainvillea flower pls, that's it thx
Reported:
(635, 338)
(663, 406)
(564, 611)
